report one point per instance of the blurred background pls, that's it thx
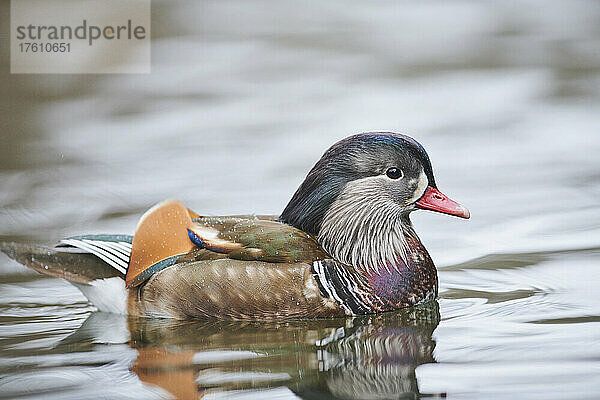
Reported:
(242, 100)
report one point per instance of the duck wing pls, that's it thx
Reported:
(255, 239)
(169, 233)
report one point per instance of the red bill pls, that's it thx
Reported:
(435, 200)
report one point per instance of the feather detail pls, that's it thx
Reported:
(345, 286)
(115, 256)
(208, 238)
(161, 234)
(254, 239)
(366, 230)
(359, 294)
(108, 295)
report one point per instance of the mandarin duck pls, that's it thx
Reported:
(344, 245)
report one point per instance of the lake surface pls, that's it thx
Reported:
(242, 100)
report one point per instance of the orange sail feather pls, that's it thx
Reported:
(160, 234)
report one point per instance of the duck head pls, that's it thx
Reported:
(357, 198)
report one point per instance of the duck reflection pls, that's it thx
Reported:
(370, 357)
(377, 359)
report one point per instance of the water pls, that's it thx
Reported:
(243, 99)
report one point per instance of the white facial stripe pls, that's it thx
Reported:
(421, 187)
(362, 228)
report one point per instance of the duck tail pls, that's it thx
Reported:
(65, 261)
(160, 234)
(102, 266)
(99, 281)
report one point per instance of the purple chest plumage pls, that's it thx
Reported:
(408, 282)
(391, 287)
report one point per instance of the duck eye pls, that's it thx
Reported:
(394, 173)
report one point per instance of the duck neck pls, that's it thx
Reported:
(408, 280)
(386, 254)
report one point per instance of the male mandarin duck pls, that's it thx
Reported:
(344, 245)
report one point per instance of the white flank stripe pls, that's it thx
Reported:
(127, 245)
(322, 279)
(117, 264)
(353, 287)
(120, 248)
(328, 288)
(124, 249)
(109, 252)
(109, 248)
